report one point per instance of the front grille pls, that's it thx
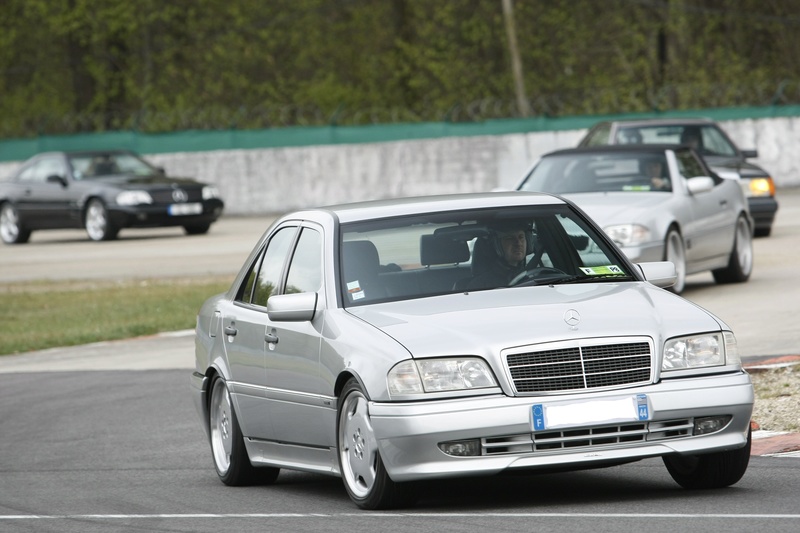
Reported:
(582, 367)
(586, 438)
(164, 196)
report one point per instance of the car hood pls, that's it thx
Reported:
(725, 165)
(156, 181)
(483, 323)
(608, 208)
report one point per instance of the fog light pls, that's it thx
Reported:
(711, 424)
(461, 448)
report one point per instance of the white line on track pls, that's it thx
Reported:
(399, 515)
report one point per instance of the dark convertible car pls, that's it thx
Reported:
(104, 192)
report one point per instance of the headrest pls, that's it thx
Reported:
(442, 250)
(360, 259)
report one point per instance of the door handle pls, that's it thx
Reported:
(230, 330)
(271, 338)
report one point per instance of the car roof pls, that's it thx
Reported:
(70, 153)
(620, 148)
(687, 121)
(376, 209)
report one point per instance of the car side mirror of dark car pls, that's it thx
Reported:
(161, 171)
(55, 178)
(749, 153)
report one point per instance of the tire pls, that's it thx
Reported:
(97, 222)
(675, 251)
(740, 264)
(762, 232)
(199, 229)
(227, 444)
(710, 471)
(363, 472)
(11, 229)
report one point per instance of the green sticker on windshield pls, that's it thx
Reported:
(602, 270)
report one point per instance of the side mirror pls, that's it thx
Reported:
(297, 307)
(700, 184)
(659, 273)
(749, 153)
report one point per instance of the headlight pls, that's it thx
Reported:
(439, 375)
(628, 234)
(697, 351)
(210, 192)
(134, 198)
(760, 187)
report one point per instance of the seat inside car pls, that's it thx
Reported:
(361, 268)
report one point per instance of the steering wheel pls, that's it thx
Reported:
(534, 274)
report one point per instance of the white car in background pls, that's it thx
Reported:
(657, 202)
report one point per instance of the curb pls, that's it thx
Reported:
(771, 443)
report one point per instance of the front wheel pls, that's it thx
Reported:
(11, 229)
(365, 477)
(97, 222)
(227, 444)
(675, 252)
(740, 264)
(710, 471)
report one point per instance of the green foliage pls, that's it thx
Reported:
(95, 65)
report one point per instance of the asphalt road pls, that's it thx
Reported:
(124, 451)
(105, 438)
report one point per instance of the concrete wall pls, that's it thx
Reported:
(267, 181)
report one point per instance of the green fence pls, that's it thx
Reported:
(202, 140)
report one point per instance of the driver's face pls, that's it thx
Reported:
(514, 246)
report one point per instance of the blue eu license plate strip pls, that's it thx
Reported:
(557, 415)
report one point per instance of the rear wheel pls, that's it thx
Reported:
(710, 471)
(97, 222)
(740, 265)
(11, 229)
(360, 463)
(675, 252)
(227, 444)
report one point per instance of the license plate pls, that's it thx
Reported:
(185, 209)
(558, 415)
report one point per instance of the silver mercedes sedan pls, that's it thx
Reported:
(399, 341)
(657, 202)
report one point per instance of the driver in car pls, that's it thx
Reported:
(509, 245)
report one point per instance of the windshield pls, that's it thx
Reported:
(440, 253)
(600, 172)
(707, 139)
(98, 165)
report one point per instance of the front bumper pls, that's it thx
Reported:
(408, 434)
(152, 216)
(763, 210)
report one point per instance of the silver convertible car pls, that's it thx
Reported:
(657, 202)
(400, 341)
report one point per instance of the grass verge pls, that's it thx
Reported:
(40, 315)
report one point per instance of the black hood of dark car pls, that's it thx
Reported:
(153, 181)
(744, 168)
